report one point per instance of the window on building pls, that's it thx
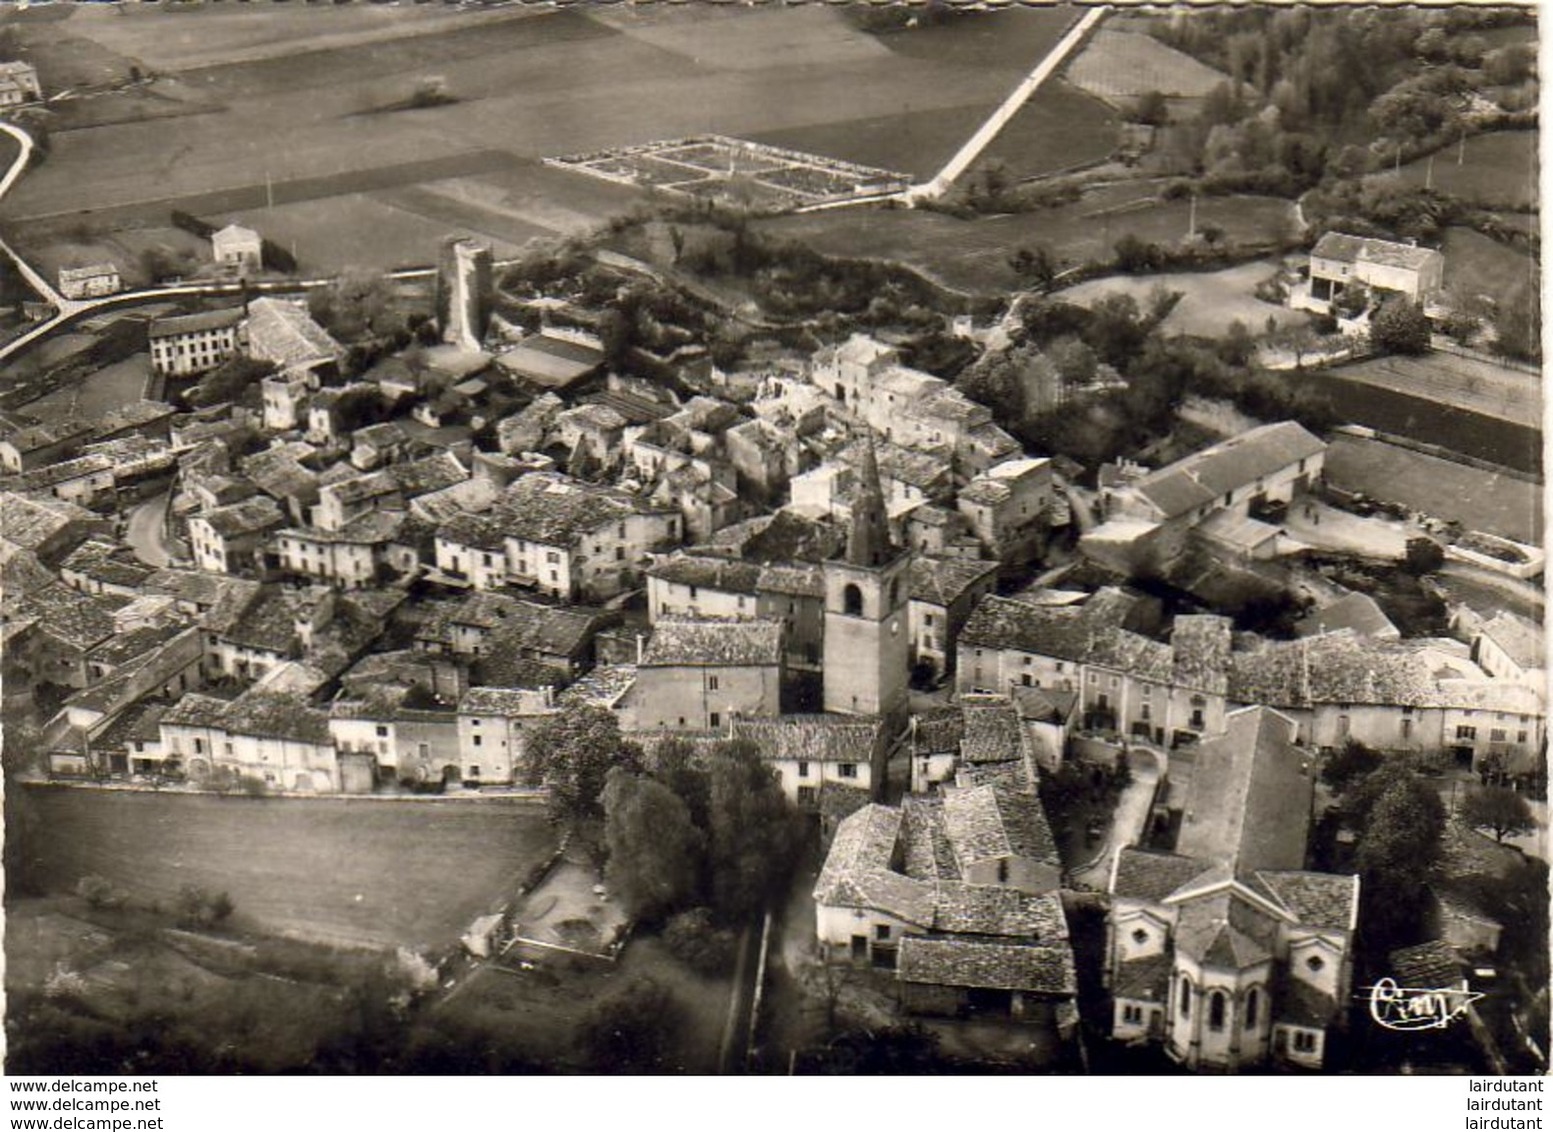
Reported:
(847, 770)
(1466, 732)
(1496, 735)
(806, 795)
(1315, 964)
(1216, 1010)
(382, 729)
(927, 619)
(1186, 998)
(803, 768)
(714, 719)
(474, 772)
(1003, 872)
(1024, 678)
(1253, 1005)
(476, 741)
(1139, 936)
(1132, 1015)
(852, 600)
(711, 683)
(882, 932)
(1520, 736)
(1304, 1041)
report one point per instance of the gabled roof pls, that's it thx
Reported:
(1356, 611)
(943, 581)
(714, 644)
(1522, 640)
(1066, 632)
(713, 572)
(1367, 249)
(991, 822)
(961, 962)
(1250, 802)
(857, 874)
(1146, 875)
(195, 323)
(284, 333)
(818, 738)
(1321, 900)
(1203, 477)
(251, 516)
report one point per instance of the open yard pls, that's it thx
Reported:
(1210, 300)
(1480, 500)
(106, 389)
(1497, 169)
(339, 870)
(973, 254)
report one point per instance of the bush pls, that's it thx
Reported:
(97, 891)
(696, 942)
(1400, 327)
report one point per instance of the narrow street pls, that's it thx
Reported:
(146, 533)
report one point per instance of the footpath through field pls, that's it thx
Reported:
(1000, 117)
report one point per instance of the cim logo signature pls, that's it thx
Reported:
(1396, 1007)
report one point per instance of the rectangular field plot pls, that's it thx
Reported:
(350, 871)
(750, 173)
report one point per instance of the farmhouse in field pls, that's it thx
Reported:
(1226, 952)
(237, 249)
(19, 83)
(91, 281)
(1339, 262)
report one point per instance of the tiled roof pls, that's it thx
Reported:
(75, 620)
(927, 852)
(943, 581)
(1367, 249)
(1300, 1004)
(194, 323)
(1521, 639)
(1200, 652)
(1250, 800)
(548, 630)
(989, 822)
(960, 962)
(603, 686)
(279, 472)
(506, 702)
(818, 738)
(467, 496)
(106, 562)
(710, 644)
(1356, 611)
(264, 715)
(730, 575)
(479, 532)
(978, 909)
(1143, 980)
(856, 873)
(434, 473)
(197, 586)
(253, 515)
(1203, 477)
(1145, 875)
(993, 732)
(29, 523)
(799, 579)
(1322, 900)
(938, 731)
(554, 510)
(1066, 632)
(123, 648)
(284, 333)
(1340, 668)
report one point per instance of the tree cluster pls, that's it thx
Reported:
(686, 833)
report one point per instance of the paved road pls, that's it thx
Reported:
(146, 534)
(34, 279)
(1128, 823)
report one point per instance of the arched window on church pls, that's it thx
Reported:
(895, 593)
(1216, 1010)
(1253, 1006)
(852, 600)
(1186, 997)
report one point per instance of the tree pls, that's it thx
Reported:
(629, 1031)
(753, 832)
(228, 382)
(1352, 762)
(654, 849)
(1151, 109)
(1398, 846)
(358, 305)
(1424, 556)
(1400, 327)
(1501, 811)
(698, 943)
(1076, 363)
(1036, 266)
(1135, 255)
(573, 752)
(1518, 324)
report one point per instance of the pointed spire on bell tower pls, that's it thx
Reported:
(868, 539)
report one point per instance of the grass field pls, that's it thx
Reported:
(1125, 64)
(1478, 265)
(1057, 129)
(1210, 300)
(106, 389)
(1480, 500)
(1498, 169)
(973, 254)
(1466, 383)
(526, 85)
(357, 871)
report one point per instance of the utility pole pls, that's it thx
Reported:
(269, 192)
(1429, 175)
(1191, 224)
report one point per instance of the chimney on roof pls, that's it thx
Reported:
(639, 649)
